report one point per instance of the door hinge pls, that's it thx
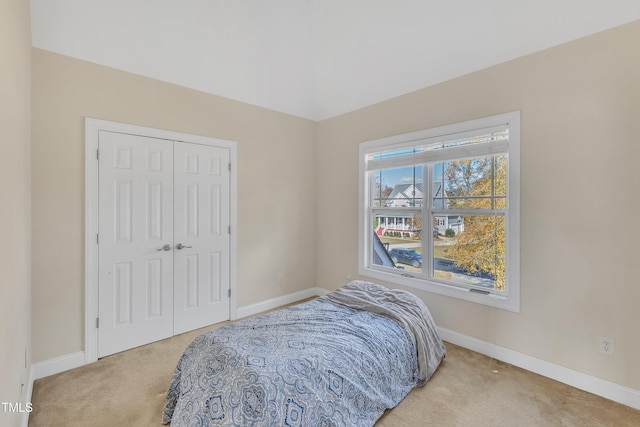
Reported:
(97, 239)
(229, 293)
(97, 322)
(229, 230)
(97, 154)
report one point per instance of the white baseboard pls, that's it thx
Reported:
(250, 310)
(607, 389)
(58, 364)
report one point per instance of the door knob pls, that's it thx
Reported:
(166, 247)
(181, 246)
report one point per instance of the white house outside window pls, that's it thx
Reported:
(440, 210)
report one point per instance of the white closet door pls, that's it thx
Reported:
(135, 259)
(201, 235)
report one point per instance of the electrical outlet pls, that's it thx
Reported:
(606, 346)
(280, 279)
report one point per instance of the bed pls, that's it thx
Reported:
(339, 360)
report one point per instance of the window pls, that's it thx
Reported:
(439, 210)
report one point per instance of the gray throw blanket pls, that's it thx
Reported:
(403, 307)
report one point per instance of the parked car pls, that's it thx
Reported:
(406, 256)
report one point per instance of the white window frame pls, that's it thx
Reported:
(509, 300)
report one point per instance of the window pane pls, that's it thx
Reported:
(397, 240)
(398, 188)
(472, 252)
(470, 177)
(500, 174)
(475, 183)
(471, 203)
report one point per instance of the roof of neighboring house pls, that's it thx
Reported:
(400, 192)
(380, 254)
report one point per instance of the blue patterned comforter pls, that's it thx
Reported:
(319, 363)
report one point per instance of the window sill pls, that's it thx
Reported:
(503, 302)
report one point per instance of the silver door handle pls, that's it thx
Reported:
(166, 247)
(181, 246)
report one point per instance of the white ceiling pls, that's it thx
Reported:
(313, 58)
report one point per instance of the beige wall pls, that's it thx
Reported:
(276, 179)
(15, 182)
(580, 233)
(298, 192)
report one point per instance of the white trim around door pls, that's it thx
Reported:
(92, 129)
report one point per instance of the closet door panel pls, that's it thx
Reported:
(135, 269)
(201, 269)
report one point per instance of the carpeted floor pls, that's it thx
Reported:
(469, 389)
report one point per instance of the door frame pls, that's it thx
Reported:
(92, 129)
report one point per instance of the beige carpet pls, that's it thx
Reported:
(128, 389)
